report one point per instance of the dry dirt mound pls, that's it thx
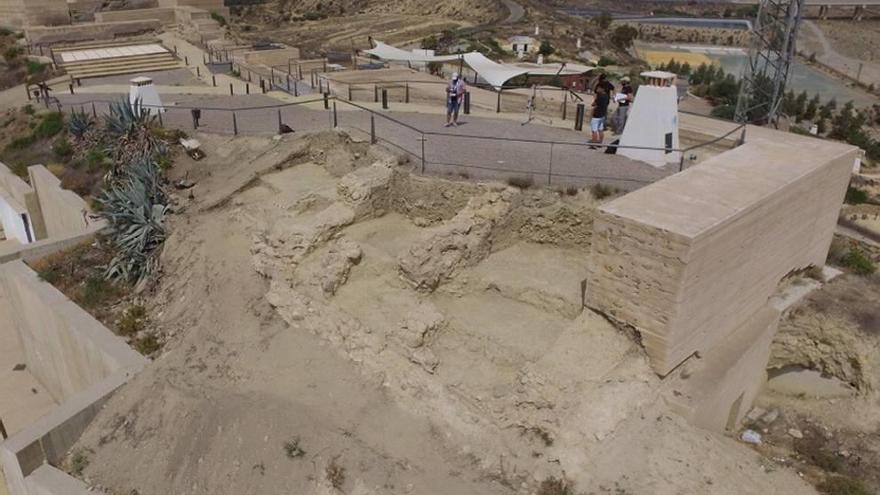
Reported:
(323, 372)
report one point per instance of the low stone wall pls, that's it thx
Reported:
(63, 213)
(77, 359)
(166, 16)
(43, 35)
(691, 258)
(269, 58)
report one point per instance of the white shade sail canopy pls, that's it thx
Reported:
(492, 72)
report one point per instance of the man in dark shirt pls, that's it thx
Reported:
(600, 112)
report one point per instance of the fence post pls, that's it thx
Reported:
(326, 101)
(681, 163)
(198, 71)
(95, 112)
(234, 125)
(295, 88)
(742, 138)
(565, 105)
(27, 89)
(349, 91)
(579, 117)
(279, 121)
(372, 129)
(288, 83)
(231, 91)
(214, 80)
(384, 99)
(550, 167)
(375, 94)
(423, 153)
(498, 105)
(262, 85)
(406, 98)
(161, 124)
(335, 119)
(247, 88)
(186, 60)
(71, 88)
(467, 102)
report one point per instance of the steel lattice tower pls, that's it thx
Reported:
(774, 35)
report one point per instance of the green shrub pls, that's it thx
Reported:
(52, 124)
(601, 191)
(29, 109)
(605, 61)
(555, 486)
(521, 182)
(96, 291)
(147, 345)
(858, 262)
(132, 321)
(856, 196)
(842, 485)
(35, 68)
(219, 18)
(62, 149)
(21, 143)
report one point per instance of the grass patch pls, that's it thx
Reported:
(293, 449)
(132, 321)
(842, 485)
(219, 18)
(96, 291)
(335, 474)
(63, 149)
(51, 124)
(858, 262)
(78, 463)
(35, 68)
(521, 182)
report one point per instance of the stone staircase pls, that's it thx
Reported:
(117, 65)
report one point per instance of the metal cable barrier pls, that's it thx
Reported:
(568, 161)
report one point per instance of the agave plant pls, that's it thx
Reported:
(134, 205)
(131, 128)
(79, 124)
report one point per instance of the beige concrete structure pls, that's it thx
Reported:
(75, 358)
(208, 5)
(166, 16)
(269, 58)
(92, 31)
(689, 260)
(20, 13)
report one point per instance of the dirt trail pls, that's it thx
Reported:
(293, 303)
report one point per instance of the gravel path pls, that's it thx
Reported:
(546, 155)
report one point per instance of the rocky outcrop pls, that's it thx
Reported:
(462, 241)
(336, 264)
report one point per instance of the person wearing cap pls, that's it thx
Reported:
(624, 99)
(454, 96)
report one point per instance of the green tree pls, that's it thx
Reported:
(622, 37)
(812, 108)
(800, 106)
(546, 49)
(603, 20)
(430, 43)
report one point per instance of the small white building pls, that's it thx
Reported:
(653, 121)
(522, 45)
(143, 90)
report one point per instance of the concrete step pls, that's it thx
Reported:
(133, 69)
(116, 60)
(104, 44)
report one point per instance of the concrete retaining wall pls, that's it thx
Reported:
(91, 31)
(62, 212)
(165, 15)
(65, 348)
(270, 58)
(21, 13)
(691, 258)
(78, 360)
(15, 196)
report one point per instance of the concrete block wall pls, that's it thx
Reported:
(688, 260)
(15, 197)
(92, 31)
(63, 213)
(166, 16)
(65, 349)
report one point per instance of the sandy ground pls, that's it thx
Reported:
(418, 335)
(844, 45)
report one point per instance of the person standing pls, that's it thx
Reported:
(624, 100)
(454, 97)
(600, 112)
